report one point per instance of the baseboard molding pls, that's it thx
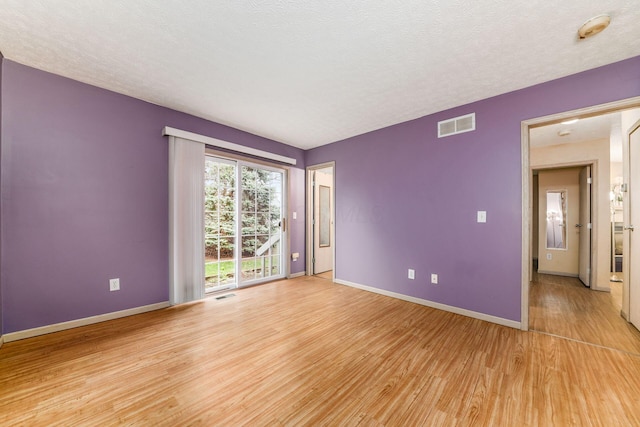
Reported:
(624, 315)
(436, 305)
(556, 273)
(42, 330)
(298, 274)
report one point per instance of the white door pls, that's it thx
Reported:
(584, 226)
(634, 220)
(323, 222)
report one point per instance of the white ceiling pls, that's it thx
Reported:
(604, 126)
(310, 72)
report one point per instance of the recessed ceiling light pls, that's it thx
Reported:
(594, 26)
(564, 132)
(569, 122)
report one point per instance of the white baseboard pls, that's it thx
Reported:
(557, 273)
(298, 274)
(29, 333)
(436, 305)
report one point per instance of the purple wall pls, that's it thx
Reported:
(406, 199)
(84, 175)
(1, 316)
(84, 196)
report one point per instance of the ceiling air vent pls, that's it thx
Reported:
(457, 125)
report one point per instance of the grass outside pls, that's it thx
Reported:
(227, 269)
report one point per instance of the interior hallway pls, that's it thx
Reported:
(563, 306)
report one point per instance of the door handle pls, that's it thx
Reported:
(578, 225)
(628, 227)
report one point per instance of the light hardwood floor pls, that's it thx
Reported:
(326, 275)
(563, 306)
(310, 352)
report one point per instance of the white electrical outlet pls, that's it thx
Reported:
(482, 216)
(114, 285)
(295, 215)
(434, 278)
(549, 256)
(412, 274)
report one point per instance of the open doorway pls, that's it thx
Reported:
(562, 225)
(558, 303)
(320, 221)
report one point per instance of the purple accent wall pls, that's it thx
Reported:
(406, 199)
(84, 175)
(1, 316)
(297, 231)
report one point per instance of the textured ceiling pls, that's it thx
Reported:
(309, 72)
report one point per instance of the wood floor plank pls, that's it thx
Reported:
(564, 306)
(310, 352)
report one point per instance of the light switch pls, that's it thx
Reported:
(482, 216)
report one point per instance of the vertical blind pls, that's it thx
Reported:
(186, 220)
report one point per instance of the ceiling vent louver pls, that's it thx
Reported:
(457, 125)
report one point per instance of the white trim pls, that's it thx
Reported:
(169, 131)
(558, 273)
(298, 274)
(42, 330)
(526, 273)
(436, 305)
(1, 340)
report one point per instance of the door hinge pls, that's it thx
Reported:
(589, 181)
(589, 225)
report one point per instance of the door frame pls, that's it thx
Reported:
(309, 215)
(593, 268)
(527, 196)
(625, 312)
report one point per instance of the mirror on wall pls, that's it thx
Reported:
(325, 216)
(556, 218)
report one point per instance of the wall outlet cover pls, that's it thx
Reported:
(412, 274)
(434, 278)
(114, 285)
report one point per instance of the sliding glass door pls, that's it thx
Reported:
(261, 223)
(244, 206)
(220, 224)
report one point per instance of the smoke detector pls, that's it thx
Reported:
(593, 26)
